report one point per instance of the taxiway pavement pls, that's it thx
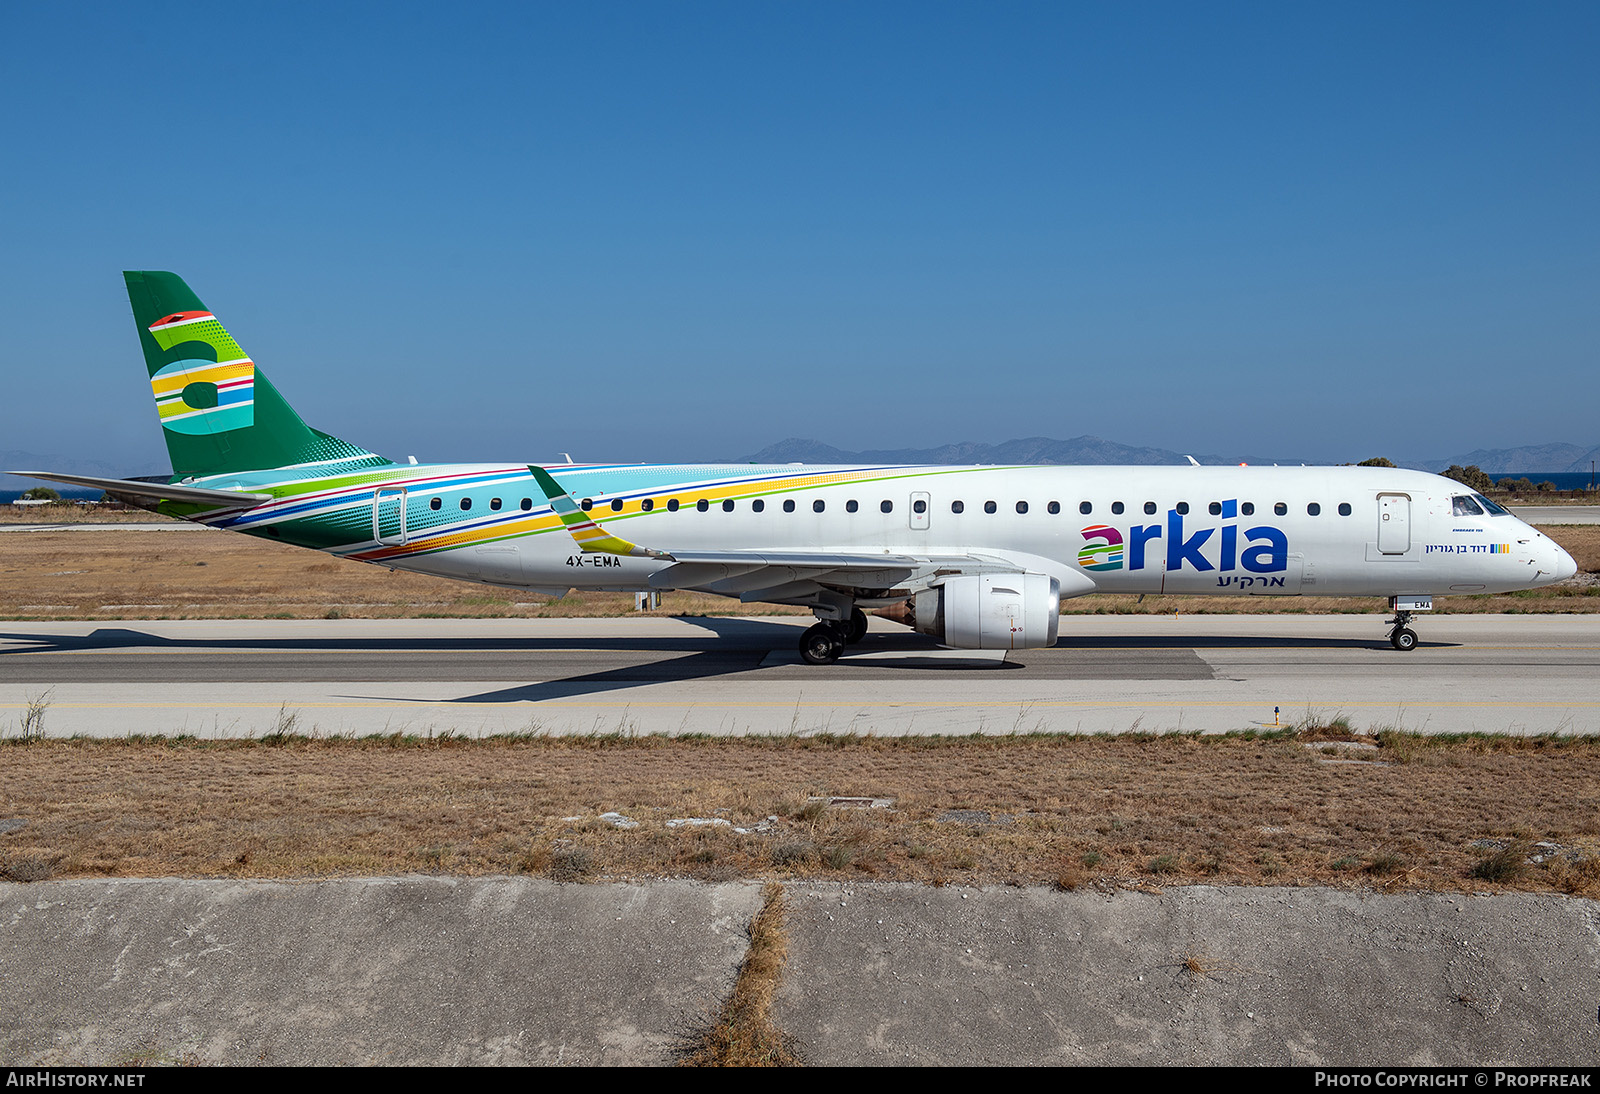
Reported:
(1210, 673)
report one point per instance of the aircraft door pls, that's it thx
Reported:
(1394, 524)
(389, 516)
(921, 509)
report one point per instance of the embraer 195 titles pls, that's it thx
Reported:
(975, 557)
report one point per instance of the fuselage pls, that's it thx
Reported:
(1225, 531)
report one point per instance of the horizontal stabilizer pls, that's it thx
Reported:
(160, 491)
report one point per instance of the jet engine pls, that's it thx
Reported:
(991, 611)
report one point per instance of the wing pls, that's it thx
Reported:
(158, 491)
(763, 575)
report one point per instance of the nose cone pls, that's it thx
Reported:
(1566, 566)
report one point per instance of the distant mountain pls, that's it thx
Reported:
(1571, 458)
(15, 460)
(1029, 450)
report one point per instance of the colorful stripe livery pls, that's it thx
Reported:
(589, 535)
(196, 395)
(334, 512)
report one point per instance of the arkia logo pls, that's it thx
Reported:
(1266, 548)
(1104, 549)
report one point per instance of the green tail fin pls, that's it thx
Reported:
(218, 411)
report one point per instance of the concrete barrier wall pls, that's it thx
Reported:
(516, 970)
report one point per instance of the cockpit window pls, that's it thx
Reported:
(1490, 507)
(1463, 506)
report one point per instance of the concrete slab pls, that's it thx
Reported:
(885, 974)
(418, 970)
(513, 970)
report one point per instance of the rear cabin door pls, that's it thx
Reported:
(389, 516)
(1394, 524)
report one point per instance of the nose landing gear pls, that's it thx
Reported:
(1402, 638)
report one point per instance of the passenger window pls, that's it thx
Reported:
(1022, 507)
(957, 506)
(1053, 508)
(527, 503)
(727, 506)
(702, 505)
(494, 503)
(989, 507)
(1344, 509)
(1313, 510)
(1116, 507)
(435, 504)
(1085, 507)
(647, 504)
(1248, 508)
(851, 506)
(917, 506)
(1150, 508)
(616, 505)
(888, 506)
(586, 504)
(788, 505)
(1280, 508)
(1216, 508)
(466, 503)
(672, 505)
(758, 506)
(818, 506)
(1183, 508)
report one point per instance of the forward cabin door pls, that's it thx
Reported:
(1394, 524)
(921, 509)
(389, 516)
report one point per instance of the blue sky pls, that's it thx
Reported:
(682, 231)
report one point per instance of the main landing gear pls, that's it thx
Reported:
(823, 643)
(1402, 638)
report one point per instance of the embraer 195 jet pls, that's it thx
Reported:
(975, 557)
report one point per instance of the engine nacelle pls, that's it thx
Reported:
(991, 611)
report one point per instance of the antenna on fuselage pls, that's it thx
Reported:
(1192, 461)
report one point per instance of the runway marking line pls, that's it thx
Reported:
(151, 651)
(954, 705)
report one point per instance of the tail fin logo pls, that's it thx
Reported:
(201, 396)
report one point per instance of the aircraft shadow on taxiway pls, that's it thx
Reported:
(730, 632)
(563, 667)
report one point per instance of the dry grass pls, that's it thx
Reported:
(212, 575)
(743, 1034)
(73, 513)
(1062, 811)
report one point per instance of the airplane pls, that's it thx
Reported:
(974, 557)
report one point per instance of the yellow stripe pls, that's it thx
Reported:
(217, 374)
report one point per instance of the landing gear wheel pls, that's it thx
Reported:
(820, 645)
(1402, 638)
(857, 629)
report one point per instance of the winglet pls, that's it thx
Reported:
(590, 537)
